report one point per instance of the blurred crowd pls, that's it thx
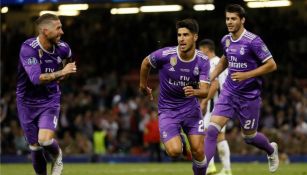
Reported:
(102, 112)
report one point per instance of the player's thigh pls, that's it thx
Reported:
(196, 143)
(47, 123)
(249, 113)
(192, 122)
(28, 119)
(173, 146)
(224, 109)
(170, 128)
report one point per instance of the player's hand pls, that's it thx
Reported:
(146, 91)
(69, 68)
(188, 91)
(239, 76)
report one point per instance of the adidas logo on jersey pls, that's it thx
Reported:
(171, 69)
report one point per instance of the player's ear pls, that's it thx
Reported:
(195, 37)
(243, 20)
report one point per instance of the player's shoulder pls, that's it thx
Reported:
(201, 55)
(32, 43)
(167, 51)
(62, 44)
(225, 37)
(249, 36)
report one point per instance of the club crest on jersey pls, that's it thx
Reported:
(59, 59)
(32, 61)
(173, 61)
(196, 70)
(40, 53)
(227, 42)
(242, 51)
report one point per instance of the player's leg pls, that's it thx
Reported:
(211, 169)
(224, 153)
(46, 138)
(193, 126)
(222, 112)
(197, 150)
(249, 117)
(170, 134)
(28, 123)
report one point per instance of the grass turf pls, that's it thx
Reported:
(153, 169)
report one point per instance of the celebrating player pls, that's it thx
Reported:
(207, 46)
(184, 76)
(247, 58)
(38, 93)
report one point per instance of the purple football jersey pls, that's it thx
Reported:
(244, 54)
(33, 61)
(176, 73)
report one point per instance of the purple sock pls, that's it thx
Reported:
(260, 141)
(199, 168)
(52, 147)
(211, 142)
(39, 162)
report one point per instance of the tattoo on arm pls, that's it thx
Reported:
(47, 77)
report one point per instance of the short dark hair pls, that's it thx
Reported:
(189, 23)
(236, 8)
(46, 18)
(209, 43)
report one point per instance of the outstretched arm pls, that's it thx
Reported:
(144, 73)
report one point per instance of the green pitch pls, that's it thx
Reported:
(153, 169)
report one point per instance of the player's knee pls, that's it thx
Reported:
(174, 152)
(44, 142)
(198, 152)
(35, 147)
(249, 139)
(213, 131)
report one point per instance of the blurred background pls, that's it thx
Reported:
(103, 117)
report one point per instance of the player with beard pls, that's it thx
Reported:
(40, 69)
(184, 77)
(247, 59)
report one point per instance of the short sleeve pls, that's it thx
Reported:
(204, 71)
(260, 50)
(156, 59)
(30, 62)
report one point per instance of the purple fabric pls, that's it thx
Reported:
(32, 118)
(247, 111)
(34, 60)
(39, 162)
(211, 142)
(244, 54)
(175, 73)
(171, 122)
(261, 141)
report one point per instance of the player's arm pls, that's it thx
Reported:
(212, 90)
(221, 66)
(69, 68)
(267, 67)
(201, 92)
(144, 73)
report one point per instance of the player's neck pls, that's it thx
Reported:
(45, 43)
(211, 55)
(187, 55)
(236, 35)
